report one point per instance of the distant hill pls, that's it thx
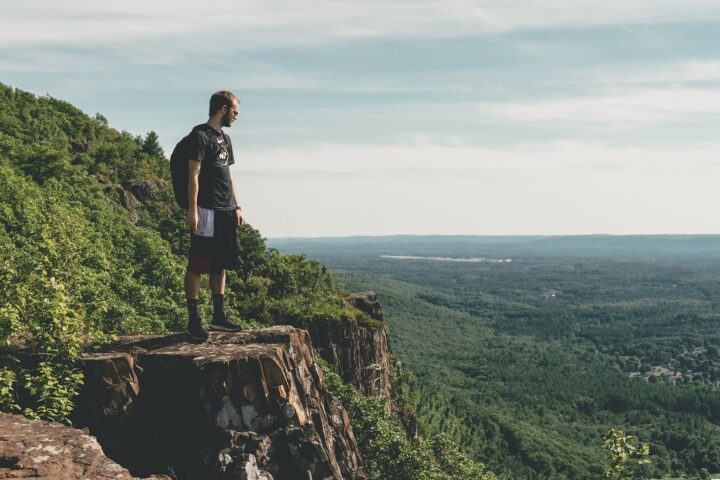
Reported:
(478, 246)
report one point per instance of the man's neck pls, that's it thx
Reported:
(215, 122)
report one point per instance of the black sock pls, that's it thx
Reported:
(218, 306)
(192, 305)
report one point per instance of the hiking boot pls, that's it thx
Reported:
(196, 330)
(224, 325)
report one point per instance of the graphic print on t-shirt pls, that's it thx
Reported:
(222, 152)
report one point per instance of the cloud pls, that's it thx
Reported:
(473, 162)
(634, 108)
(680, 71)
(252, 24)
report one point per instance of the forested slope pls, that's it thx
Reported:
(527, 363)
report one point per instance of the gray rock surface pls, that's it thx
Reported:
(52, 451)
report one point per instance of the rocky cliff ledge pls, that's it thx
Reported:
(249, 405)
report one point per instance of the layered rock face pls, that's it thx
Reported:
(362, 355)
(247, 405)
(51, 451)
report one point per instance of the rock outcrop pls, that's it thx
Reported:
(367, 303)
(249, 405)
(79, 146)
(52, 451)
(361, 355)
(146, 189)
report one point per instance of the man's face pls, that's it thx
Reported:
(230, 114)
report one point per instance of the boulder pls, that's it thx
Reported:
(52, 451)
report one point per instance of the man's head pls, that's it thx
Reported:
(225, 106)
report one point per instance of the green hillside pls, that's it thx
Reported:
(92, 244)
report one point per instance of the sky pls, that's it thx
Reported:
(411, 117)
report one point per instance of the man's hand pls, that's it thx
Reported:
(239, 222)
(192, 219)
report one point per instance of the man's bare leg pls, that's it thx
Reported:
(192, 285)
(217, 283)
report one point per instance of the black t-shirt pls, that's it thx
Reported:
(214, 151)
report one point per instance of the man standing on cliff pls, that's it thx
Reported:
(213, 213)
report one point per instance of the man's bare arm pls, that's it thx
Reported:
(238, 217)
(193, 186)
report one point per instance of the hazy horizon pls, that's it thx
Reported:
(521, 235)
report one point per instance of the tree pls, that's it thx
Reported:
(625, 456)
(151, 145)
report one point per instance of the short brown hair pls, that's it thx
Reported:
(220, 99)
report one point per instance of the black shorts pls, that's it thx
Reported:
(213, 246)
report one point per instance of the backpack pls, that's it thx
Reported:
(179, 166)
